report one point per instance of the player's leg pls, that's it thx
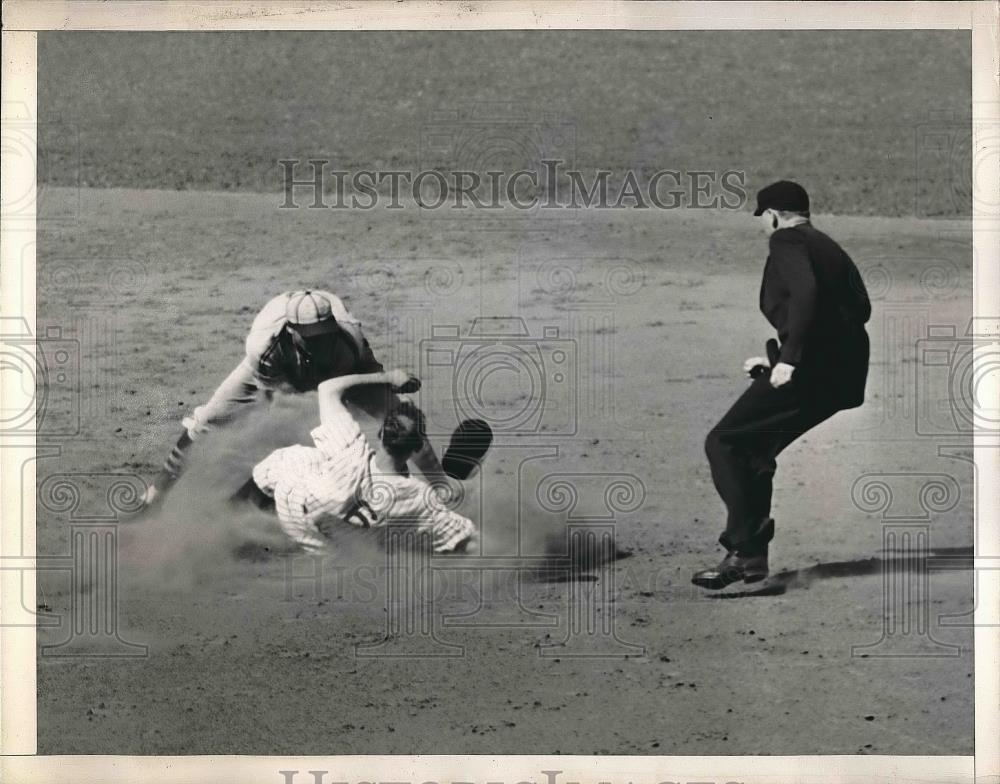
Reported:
(238, 391)
(741, 450)
(731, 455)
(449, 531)
(250, 493)
(729, 461)
(425, 506)
(763, 462)
(286, 482)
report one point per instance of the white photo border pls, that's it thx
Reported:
(23, 19)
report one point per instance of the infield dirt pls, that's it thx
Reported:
(657, 312)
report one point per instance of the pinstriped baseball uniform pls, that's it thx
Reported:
(337, 481)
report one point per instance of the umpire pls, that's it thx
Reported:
(813, 295)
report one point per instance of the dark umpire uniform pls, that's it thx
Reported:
(813, 295)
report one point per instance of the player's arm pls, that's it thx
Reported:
(791, 259)
(331, 392)
(427, 462)
(374, 402)
(331, 404)
(425, 459)
(862, 303)
(366, 357)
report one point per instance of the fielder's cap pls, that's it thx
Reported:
(783, 195)
(311, 313)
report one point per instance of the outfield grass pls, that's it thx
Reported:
(859, 116)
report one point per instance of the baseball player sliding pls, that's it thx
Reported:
(343, 479)
(297, 341)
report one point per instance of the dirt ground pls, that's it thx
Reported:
(655, 313)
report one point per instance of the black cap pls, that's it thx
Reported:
(782, 195)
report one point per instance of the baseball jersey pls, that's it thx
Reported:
(337, 481)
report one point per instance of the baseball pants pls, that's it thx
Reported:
(742, 450)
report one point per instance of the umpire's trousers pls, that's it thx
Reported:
(742, 449)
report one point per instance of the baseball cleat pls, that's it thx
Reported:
(469, 443)
(734, 568)
(151, 496)
(150, 501)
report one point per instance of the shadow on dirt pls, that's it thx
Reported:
(574, 568)
(939, 559)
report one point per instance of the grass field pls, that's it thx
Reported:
(874, 122)
(157, 271)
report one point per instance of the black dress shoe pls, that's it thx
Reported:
(734, 568)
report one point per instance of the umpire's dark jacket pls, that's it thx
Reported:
(813, 295)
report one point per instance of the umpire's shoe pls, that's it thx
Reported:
(735, 567)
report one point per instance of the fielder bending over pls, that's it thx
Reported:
(298, 340)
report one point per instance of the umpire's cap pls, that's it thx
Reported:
(310, 313)
(783, 195)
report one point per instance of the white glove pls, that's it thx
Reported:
(781, 374)
(753, 362)
(401, 381)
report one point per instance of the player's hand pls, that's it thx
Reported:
(755, 362)
(401, 381)
(412, 384)
(781, 374)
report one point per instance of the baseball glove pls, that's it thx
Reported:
(469, 443)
